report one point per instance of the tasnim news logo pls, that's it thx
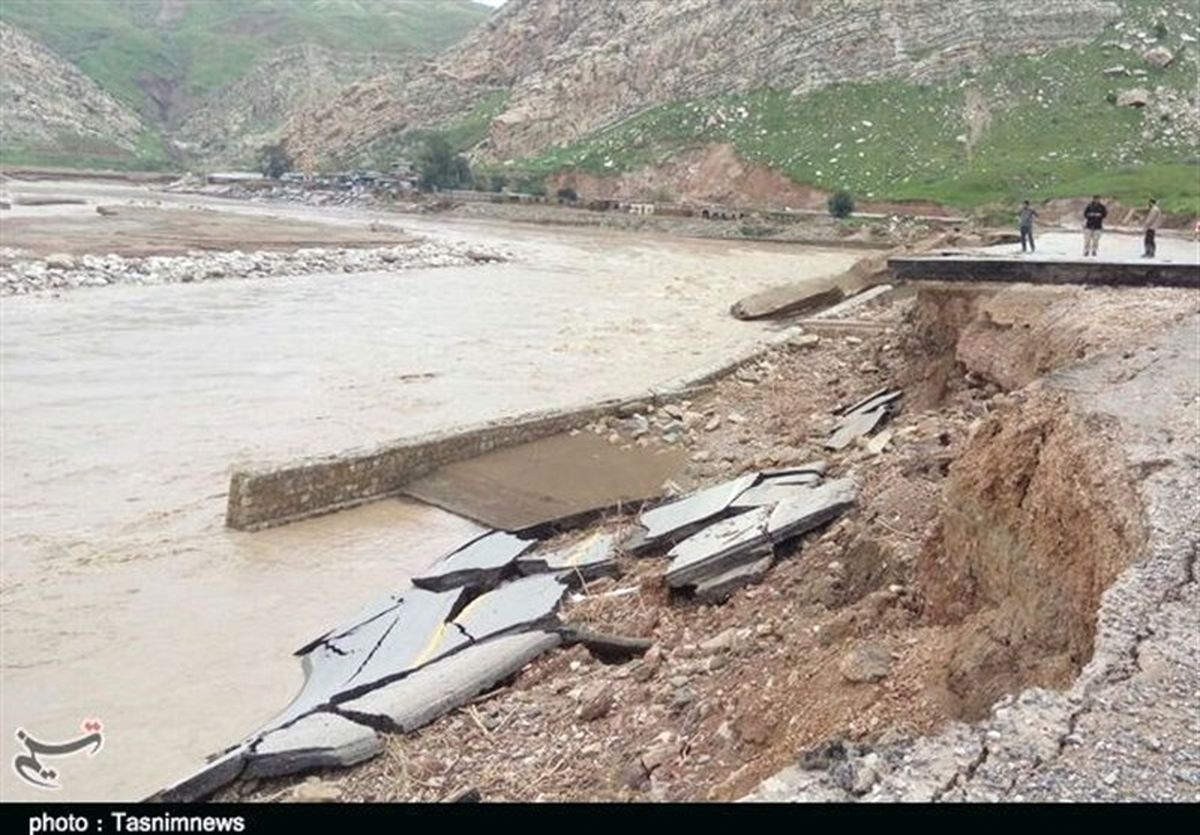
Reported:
(32, 770)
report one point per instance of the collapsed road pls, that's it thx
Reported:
(963, 630)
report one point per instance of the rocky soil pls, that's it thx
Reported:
(991, 518)
(22, 274)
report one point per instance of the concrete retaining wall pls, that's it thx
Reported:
(261, 497)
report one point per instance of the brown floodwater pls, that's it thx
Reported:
(122, 595)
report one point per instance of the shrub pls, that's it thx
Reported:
(841, 204)
(440, 167)
(274, 161)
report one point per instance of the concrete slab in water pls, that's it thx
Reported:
(548, 480)
(481, 562)
(319, 740)
(586, 560)
(679, 516)
(718, 547)
(417, 700)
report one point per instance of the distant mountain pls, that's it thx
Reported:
(207, 72)
(963, 102)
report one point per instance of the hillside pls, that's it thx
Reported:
(198, 70)
(49, 104)
(963, 102)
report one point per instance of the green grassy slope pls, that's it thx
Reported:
(200, 46)
(1049, 132)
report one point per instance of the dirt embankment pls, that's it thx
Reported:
(990, 520)
(715, 174)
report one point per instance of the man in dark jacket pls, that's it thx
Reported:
(1025, 219)
(1093, 222)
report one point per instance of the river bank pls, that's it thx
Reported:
(127, 408)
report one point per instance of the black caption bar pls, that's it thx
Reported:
(136, 819)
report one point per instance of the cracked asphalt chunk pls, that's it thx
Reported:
(319, 740)
(436, 689)
(388, 643)
(682, 514)
(809, 508)
(718, 547)
(481, 562)
(593, 557)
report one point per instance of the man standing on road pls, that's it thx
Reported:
(1150, 224)
(1026, 216)
(1093, 222)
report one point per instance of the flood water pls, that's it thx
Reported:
(125, 409)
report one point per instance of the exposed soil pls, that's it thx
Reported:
(988, 524)
(715, 173)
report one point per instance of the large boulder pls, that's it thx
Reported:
(1137, 97)
(1159, 56)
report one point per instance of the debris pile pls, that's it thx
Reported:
(863, 417)
(725, 536)
(489, 608)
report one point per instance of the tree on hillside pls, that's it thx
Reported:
(841, 204)
(274, 161)
(440, 167)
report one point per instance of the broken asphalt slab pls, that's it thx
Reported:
(482, 562)
(862, 418)
(718, 588)
(809, 508)
(415, 701)
(593, 557)
(319, 740)
(682, 516)
(719, 546)
(388, 642)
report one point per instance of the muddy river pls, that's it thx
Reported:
(123, 596)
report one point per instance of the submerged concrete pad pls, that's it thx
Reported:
(718, 547)
(561, 477)
(422, 697)
(716, 589)
(683, 514)
(319, 740)
(481, 562)
(810, 508)
(593, 557)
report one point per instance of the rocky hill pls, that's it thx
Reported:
(959, 101)
(49, 104)
(220, 76)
